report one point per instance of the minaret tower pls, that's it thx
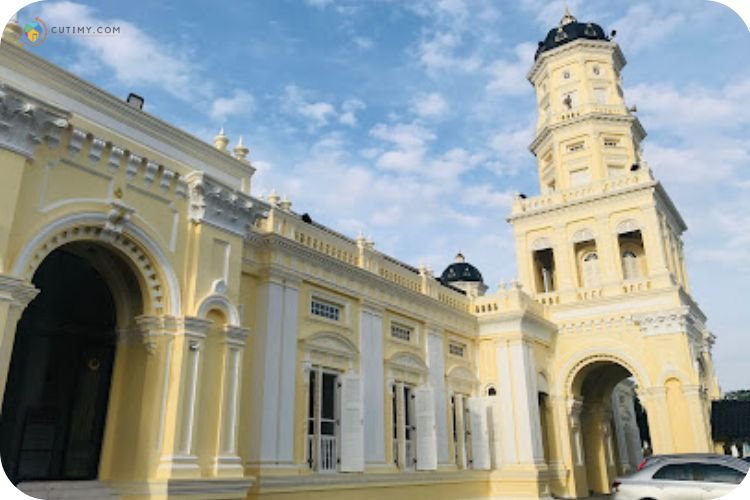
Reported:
(602, 224)
(600, 247)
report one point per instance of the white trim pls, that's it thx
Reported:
(221, 302)
(566, 375)
(33, 247)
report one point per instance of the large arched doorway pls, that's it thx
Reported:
(611, 440)
(57, 392)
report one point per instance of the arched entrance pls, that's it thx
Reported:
(57, 392)
(610, 432)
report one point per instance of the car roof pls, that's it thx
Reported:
(734, 462)
(706, 458)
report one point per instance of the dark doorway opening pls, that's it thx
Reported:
(56, 397)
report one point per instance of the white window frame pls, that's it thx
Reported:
(403, 325)
(463, 347)
(314, 441)
(331, 300)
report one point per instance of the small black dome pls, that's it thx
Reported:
(461, 271)
(568, 30)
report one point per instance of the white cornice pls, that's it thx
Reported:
(214, 203)
(546, 131)
(617, 56)
(583, 200)
(421, 306)
(26, 122)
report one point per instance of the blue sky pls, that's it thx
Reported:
(410, 121)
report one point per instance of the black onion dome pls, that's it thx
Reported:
(461, 270)
(568, 30)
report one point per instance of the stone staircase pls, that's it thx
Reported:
(67, 490)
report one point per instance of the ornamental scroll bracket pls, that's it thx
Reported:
(26, 122)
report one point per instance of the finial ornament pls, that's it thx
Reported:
(240, 150)
(460, 257)
(221, 140)
(273, 198)
(567, 18)
(13, 31)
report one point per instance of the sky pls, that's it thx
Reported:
(409, 121)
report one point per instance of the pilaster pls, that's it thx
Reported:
(15, 295)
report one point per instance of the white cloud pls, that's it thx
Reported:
(316, 113)
(363, 42)
(643, 26)
(692, 107)
(508, 77)
(484, 195)
(320, 4)
(431, 105)
(438, 53)
(239, 104)
(349, 110)
(133, 57)
(403, 135)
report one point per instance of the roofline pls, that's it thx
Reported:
(19, 65)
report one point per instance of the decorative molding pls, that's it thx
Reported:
(18, 291)
(407, 362)
(358, 281)
(117, 218)
(75, 142)
(542, 243)
(461, 379)
(219, 300)
(214, 203)
(26, 122)
(150, 172)
(236, 335)
(153, 328)
(627, 226)
(116, 155)
(568, 372)
(665, 322)
(96, 149)
(81, 227)
(582, 235)
(333, 344)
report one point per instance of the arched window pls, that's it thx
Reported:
(630, 265)
(590, 270)
(491, 391)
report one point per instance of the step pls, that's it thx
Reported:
(67, 490)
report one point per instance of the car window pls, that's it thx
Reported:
(675, 472)
(716, 473)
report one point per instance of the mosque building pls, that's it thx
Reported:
(164, 333)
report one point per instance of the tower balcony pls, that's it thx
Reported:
(590, 191)
(582, 110)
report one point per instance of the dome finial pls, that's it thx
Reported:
(221, 140)
(460, 257)
(567, 18)
(240, 151)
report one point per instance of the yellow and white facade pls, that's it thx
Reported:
(227, 348)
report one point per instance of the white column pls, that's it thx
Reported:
(272, 375)
(436, 361)
(518, 403)
(227, 457)
(371, 362)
